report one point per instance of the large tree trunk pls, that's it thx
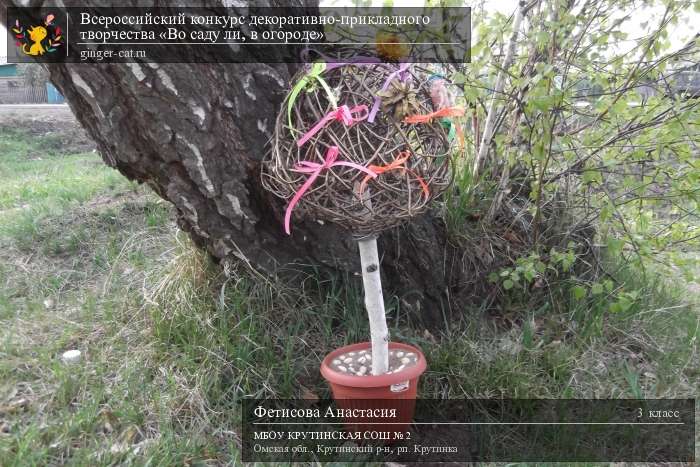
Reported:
(197, 133)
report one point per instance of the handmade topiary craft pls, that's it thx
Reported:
(366, 145)
(360, 124)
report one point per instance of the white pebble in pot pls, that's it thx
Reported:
(354, 362)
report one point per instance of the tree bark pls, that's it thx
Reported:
(197, 133)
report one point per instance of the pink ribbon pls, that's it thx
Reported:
(343, 114)
(315, 169)
(401, 73)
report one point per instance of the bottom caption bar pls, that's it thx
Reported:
(469, 430)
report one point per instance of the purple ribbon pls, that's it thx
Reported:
(357, 61)
(403, 75)
(332, 63)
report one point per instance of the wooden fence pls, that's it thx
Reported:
(12, 93)
(35, 95)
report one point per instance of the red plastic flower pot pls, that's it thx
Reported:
(388, 391)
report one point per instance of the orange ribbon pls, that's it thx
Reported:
(444, 112)
(460, 137)
(397, 163)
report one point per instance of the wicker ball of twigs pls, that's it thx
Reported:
(328, 120)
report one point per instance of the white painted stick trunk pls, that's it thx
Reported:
(374, 302)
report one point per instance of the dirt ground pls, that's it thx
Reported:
(54, 121)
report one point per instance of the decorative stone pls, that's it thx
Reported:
(71, 356)
(359, 363)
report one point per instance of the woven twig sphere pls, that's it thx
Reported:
(393, 196)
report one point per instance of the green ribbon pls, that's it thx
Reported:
(314, 74)
(450, 127)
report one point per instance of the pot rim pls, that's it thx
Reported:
(372, 381)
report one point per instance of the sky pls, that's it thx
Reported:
(682, 33)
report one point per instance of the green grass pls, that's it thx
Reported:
(171, 342)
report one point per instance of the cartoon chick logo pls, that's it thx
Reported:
(38, 40)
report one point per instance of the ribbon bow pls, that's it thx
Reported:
(377, 100)
(444, 115)
(314, 74)
(445, 112)
(315, 169)
(342, 113)
(397, 163)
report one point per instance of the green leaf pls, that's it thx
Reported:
(579, 292)
(590, 176)
(614, 246)
(624, 303)
(597, 289)
(508, 284)
(459, 78)
(543, 103)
